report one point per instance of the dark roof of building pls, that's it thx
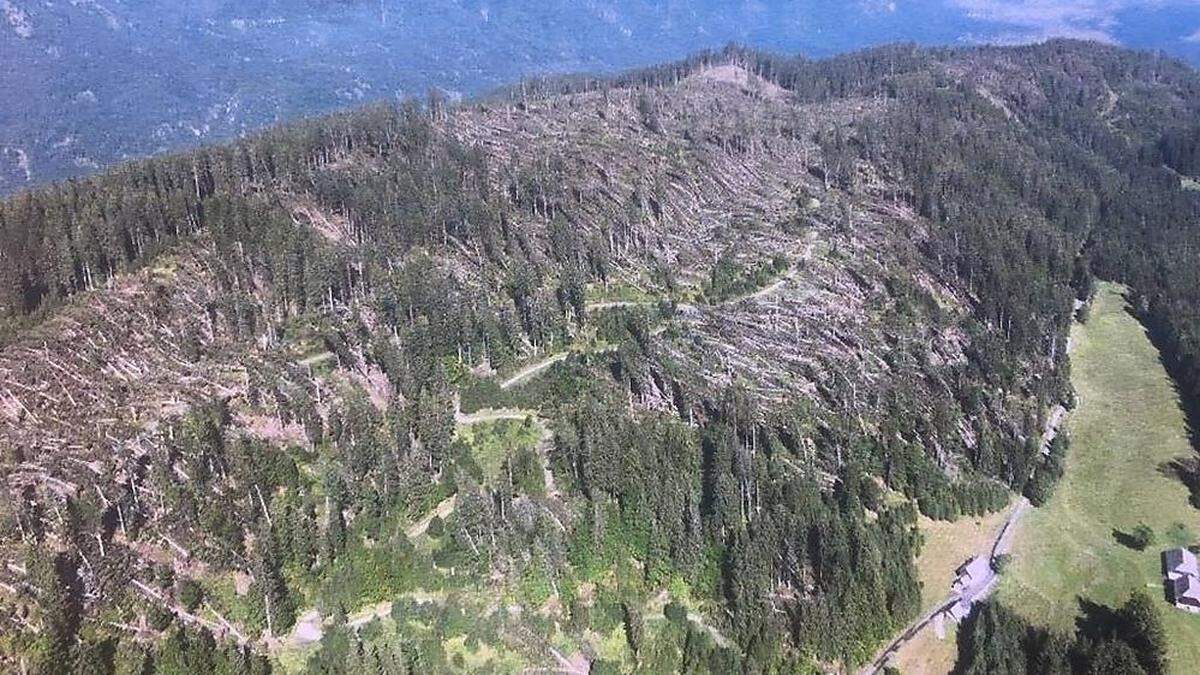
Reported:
(974, 567)
(1186, 591)
(1180, 560)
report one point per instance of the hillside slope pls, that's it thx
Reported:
(767, 310)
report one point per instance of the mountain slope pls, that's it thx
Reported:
(767, 310)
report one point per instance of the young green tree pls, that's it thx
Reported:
(635, 629)
(94, 655)
(131, 658)
(190, 594)
(279, 605)
(1141, 537)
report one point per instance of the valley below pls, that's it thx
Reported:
(1127, 431)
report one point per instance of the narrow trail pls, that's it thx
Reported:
(538, 367)
(316, 359)
(702, 623)
(769, 288)
(442, 510)
(659, 602)
(718, 637)
(310, 628)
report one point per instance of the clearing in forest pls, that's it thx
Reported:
(495, 442)
(1128, 425)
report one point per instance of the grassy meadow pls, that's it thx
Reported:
(1127, 426)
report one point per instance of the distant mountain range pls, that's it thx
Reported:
(85, 83)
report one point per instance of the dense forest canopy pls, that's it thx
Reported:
(669, 362)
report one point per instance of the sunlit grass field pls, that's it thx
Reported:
(1128, 424)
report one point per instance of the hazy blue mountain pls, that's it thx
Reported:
(84, 83)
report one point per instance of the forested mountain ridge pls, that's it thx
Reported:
(756, 313)
(90, 83)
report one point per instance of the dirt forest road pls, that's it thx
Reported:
(533, 369)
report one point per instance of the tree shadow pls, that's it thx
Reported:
(1127, 540)
(1097, 622)
(1168, 590)
(67, 570)
(1187, 471)
(965, 641)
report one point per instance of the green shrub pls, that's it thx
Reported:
(1141, 537)
(675, 613)
(190, 594)
(437, 527)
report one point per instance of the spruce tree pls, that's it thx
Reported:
(1115, 657)
(1142, 629)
